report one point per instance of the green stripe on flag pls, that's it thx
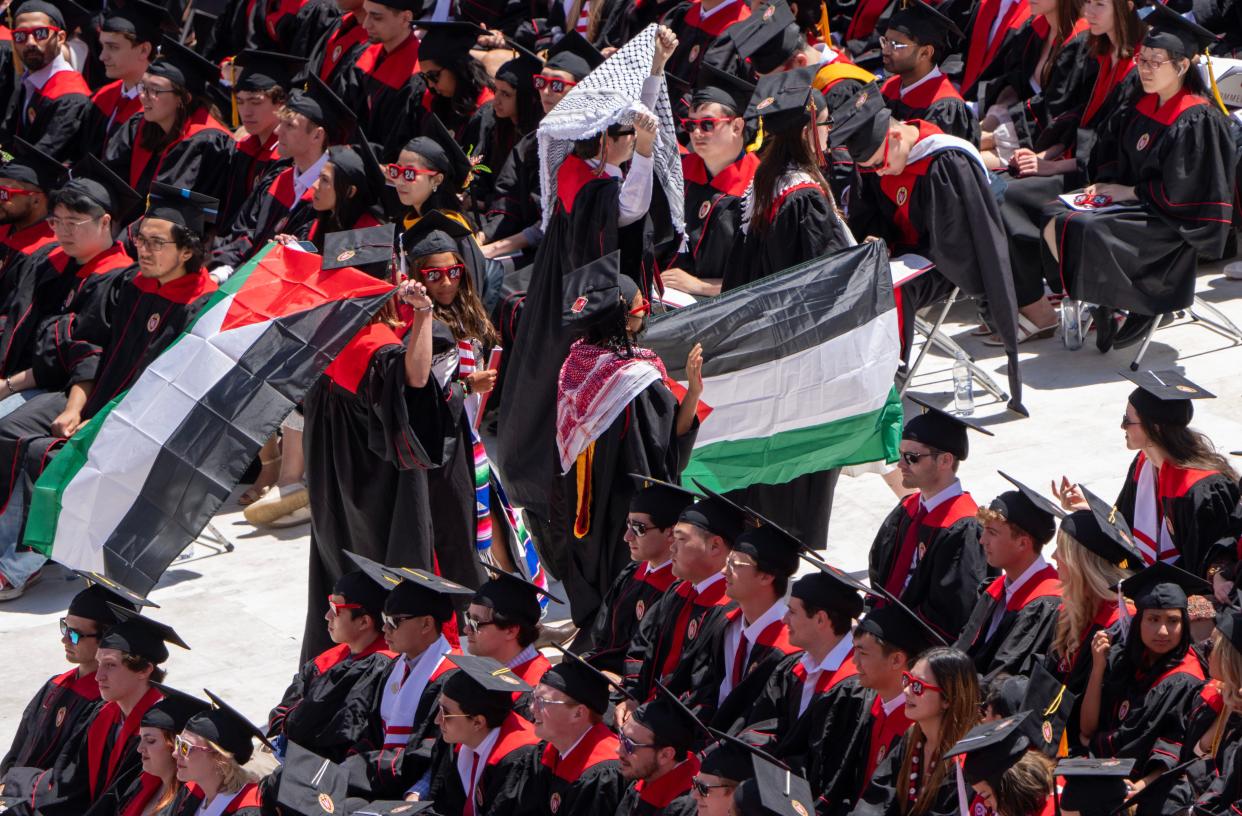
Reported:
(734, 464)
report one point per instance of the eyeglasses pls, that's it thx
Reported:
(7, 193)
(473, 624)
(432, 77)
(916, 686)
(73, 634)
(40, 34)
(703, 789)
(444, 713)
(68, 224)
(912, 458)
(892, 45)
(1142, 62)
(707, 125)
(393, 621)
(637, 528)
(543, 702)
(1126, 422)
(183, 747)
(433, 274)
(335, 608)
(555, 84)
(735, 563)
(629, 746)
(151, 244)
(643, 308)
(147, 90)
(408, 172)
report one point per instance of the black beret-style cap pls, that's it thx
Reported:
(358, 165)
(512, 597)
(1229, 622)
(139, 635)
(439, 148)
(574, 55)
(95, 602)
(774, 549)
(991, 748)
(145, 22)
(1104, 531)
(1164, 397)
(356, 587)
(263, 70)
(186, 208)
(30, 165)
(368, 248)
(227, 728)
(768, 37)
(52, 11)
(95, 180)
(939, 429)
(828, 588)
(1163, 586)
(174, 710)
(662, 501)
(1094, 786)
(730, 757)
(670, 720)
(580, 681)
(320, 104)
(310, 783)
(483, 686)
(897, 625)
(1176, 34)
(447, 42)
(183, 67)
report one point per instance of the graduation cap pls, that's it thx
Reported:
(939, 429)
(483, 686)
(368, 249)
(433, 233)
(573, 55)
(660, 500)
(1229, 622)
(1176, 34)
(860, 125)
(579, 680)
(1004, 694)
(1093, 786)
(786, 101)
(385, 577)
(412, 591)
(774, 549)
(311, 784)
(183, 67)
(991, 748)
(593, 291)
(227, 728)
(1164, 397)
(439, 148)
(732, 756)
(320, 104)
(393, 807)
(1050, 703)
(52, 11)
(1104, 531)
(768, 37)
(723, 88)
(670, 720)
(139, 635)
(356, 587)
(519, 71)
(180, 206)
(898, 625)
(1028, 509)
(95, 180)
(174, 710)
(359, 166)
(143, 21)
(31, 165)
(1158, 788)
(716, 514)
(263, 70)
(1163, 586)
(924, 24)
(94, 602)
(775, 790)
(512, 597)
(446, 42)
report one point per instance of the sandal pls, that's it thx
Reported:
(1026, 331)
(257, 491)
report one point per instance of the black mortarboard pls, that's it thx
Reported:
(183, 67)
(520, 70)
(483, 686)
(93, 179)
(174, 710)
(1103, 531)
(860, 123)
(774, 550)
(320, 104)
(446, 42)
(1174, 33)
(429, 233)
(356, 587)
(991, 748)
(358, 165)
(592, 292)
(828, 588)
(785, 101)
(1005, 694)
(227, 728)
(385, 577)
(768, 37)
(311, 784)
(439, 148)
(368, 249)
(731, 757)
(941, 430)
(1164, 397)
(512, 597)
(262, 70)
(393, 807)
(421, 593)
(723, 88)
(143, 21)
(774, 790)
(52, 11)
(1028, 509)
(660, 500)
(668, 718)
(1050, 703)
(94, 601)
(31, 165)
(1229, 622)
(1159, 787)
(139, 635)
(716, 514)
(1093, 786)
(924, 24)
(1163, 586)
(573, 55)
(897, 625)
(189, 209)
(579, 680)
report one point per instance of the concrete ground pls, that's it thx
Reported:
(242, 611)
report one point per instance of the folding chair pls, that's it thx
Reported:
(1200, 312)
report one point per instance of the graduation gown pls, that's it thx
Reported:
(110, 110)
(15, 245)
(246, 802)
(1073, 674)
(339, 48)
(635, 591)
(289, 26)
(1196, 782)
(51, 116)
(667, 796)
(700, 40)
(769, 651)
(319, 710)
(586, 780)
(1224, 791)
(132, 799)
(943, 586)
(1025, 630)
(867, 21)
(491, 140)
(980, 58)
(713, 213)
(250, 161)
(54, 720)
(193, 161)
(273, 208)
(1179, 157)
(369, 440)
(107, 755)
(1186, 515)
(880, 796)
(514, 204)
(852, 736)
(387, 92)
(932, 99)
(500, 784)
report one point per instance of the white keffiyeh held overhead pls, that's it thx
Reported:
(607, 96)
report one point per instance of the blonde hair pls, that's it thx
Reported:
(232, 775)
(1230, 661)
(1086, 579)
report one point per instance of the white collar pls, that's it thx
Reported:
(773, 614)
(218, 803)
(1038, 564)
(610, 169)
(905, 89)
(954, 490)
(892, 704)
(40, 77)
(131, 93)
(465, 759)
(659, 566)
(827, 54)
(303, 181)
(577, 742)
(529, 653)
(703, 15)
(702, 586)
(833, 660)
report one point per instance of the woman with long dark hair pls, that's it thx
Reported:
(347, 194)
(495, 129)
(457, 83)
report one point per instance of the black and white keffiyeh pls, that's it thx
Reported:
(610, 95)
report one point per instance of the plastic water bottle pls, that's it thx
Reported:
(1071, 323)
(963, 386)
(186, 554)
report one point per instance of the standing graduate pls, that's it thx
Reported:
(26, 182)
(927, 551)
(384, 85)
(51, 102)
(211, 750)
(128, 39)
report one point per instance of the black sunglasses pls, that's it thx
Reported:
(73, 634)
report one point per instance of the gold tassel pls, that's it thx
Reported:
(582, 474)
(825, 34)
(1215, 90)
(758, 141)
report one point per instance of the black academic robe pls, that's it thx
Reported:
(339, 48)
(105, 756)
(289, 26)
(1223, 796)
(934, 100)
(272, 209)
(667, 796)
(109, 111)
(514, 203)
(587, 780)
(246, 802)
(1025, 630)
(950, 564)
(51, 117)
(132, 799)
(1073, 674)
(15, 245)
(851, 738)
(1179, 157)
(194, 161)
(635, 592)
(702, 41)
(770, 650)
(867, 21)
(319, 710)
(491, 140)
(980, 60)
(1195, 782)
(386, 91)
(713, 207)
(54, 721)
(500, 785)
(250, 161)
(369, 440)
(881, 797)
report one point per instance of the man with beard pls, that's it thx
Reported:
(25, 181)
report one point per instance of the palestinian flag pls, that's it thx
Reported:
(798, 370)
(143, 477)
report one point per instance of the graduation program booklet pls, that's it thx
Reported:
(1089, 203)
(905, 268)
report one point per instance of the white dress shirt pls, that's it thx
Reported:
(831, 662)
(733, 638)
(1010, 589)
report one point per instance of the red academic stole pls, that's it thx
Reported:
(1108, 77)
(530, 672)
(140, 157)
(148, 786)
(97, 738)
(260, 153)
(980, 52)
(945, 515)
(598, 745)
(827, 680)
(714, 595)
(899, 188)
(884, 729)
(28, 240)
(862, 24)
(1172, 481)
(344, 37)
(349, 366)
(1042, 584)
(716, 23)
(183, 290)
(660, 579)
(116, 108)
(64, 83)
(572, 176)
(676, 782)
(340, 653)
(922, 97)
(394, 69)
(113, 257)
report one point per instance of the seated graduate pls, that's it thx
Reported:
(28, 179)
(128, 40)
(130, 655)
(1175, 207)
(317, 709)
(724, 765)
(658, 759)
(348, 194)
(716, 172)
(654, 509)
(916, 41)
(503, 623)
(772, 40)
(478, 763)
(211, 750)
(1143, 686)
(942, 701)
(1006, 777)
(59, 713)
(1013, 621)
(1094, 787)
(457, 84)
(772, 791)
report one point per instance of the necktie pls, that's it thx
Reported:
(907, 554)
(739, 660)
(474, 767)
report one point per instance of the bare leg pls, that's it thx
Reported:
(292, 458)
(1050, 238)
